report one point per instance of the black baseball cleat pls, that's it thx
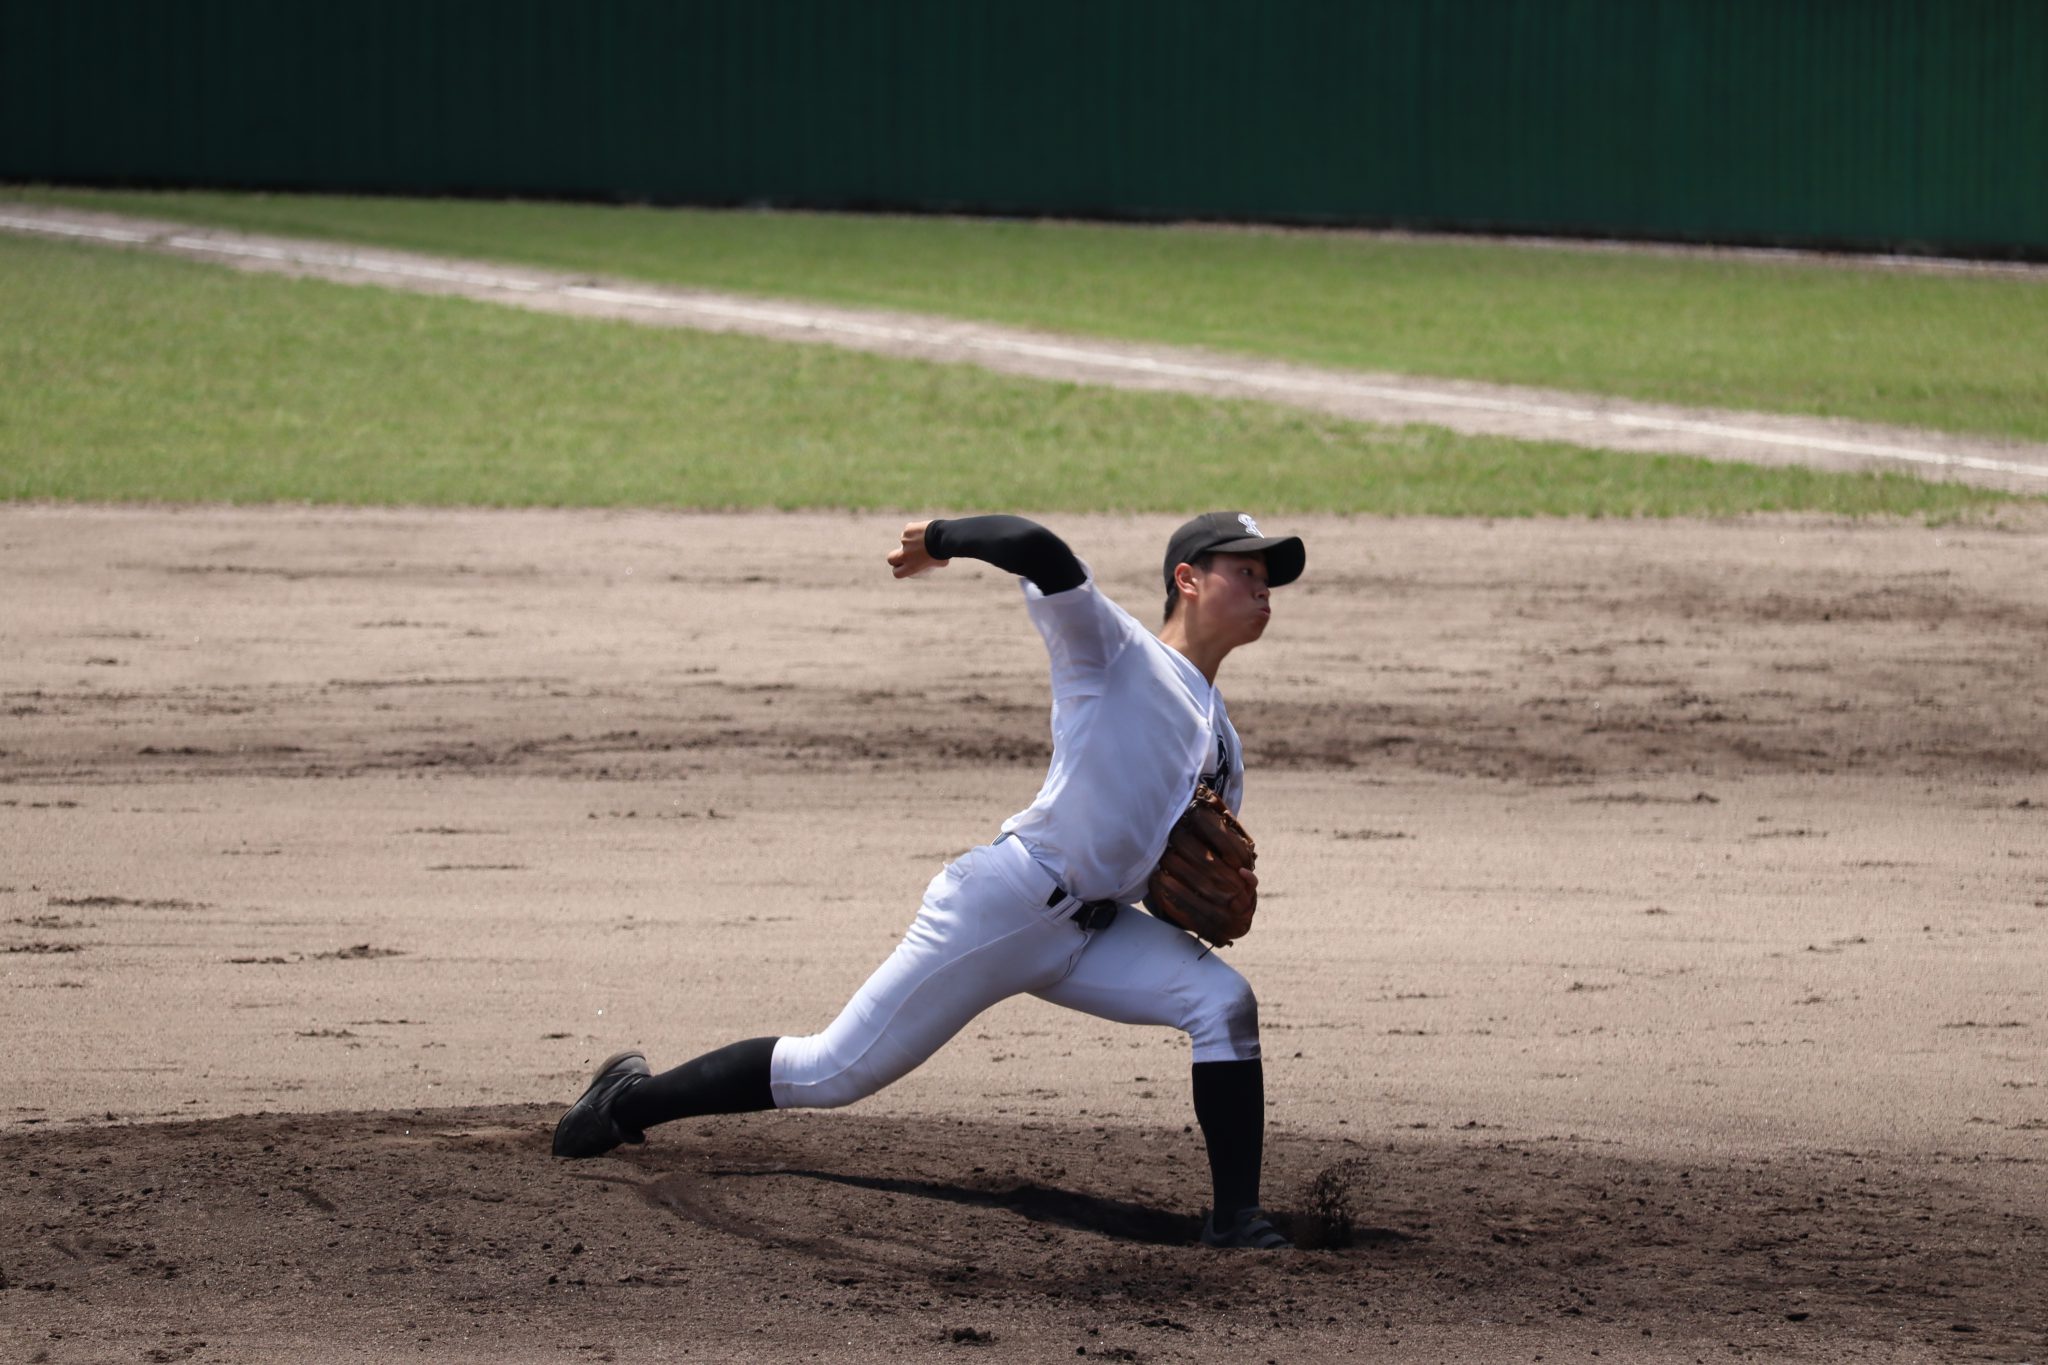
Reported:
(588, 1128)
(1248, 1229)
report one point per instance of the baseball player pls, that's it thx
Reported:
(1050, 907)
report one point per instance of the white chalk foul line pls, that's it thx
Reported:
(352, 260)
(1113, 360)
(315, 256)
(1066, 353)
(73, 230)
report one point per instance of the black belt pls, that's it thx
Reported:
(1088, 915)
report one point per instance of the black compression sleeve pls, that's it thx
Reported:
(1012, 544)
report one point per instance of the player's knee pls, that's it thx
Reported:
(809, 1074)
(834, 1093)
(1226, 1027)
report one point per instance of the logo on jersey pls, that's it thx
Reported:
(1219, 780)
(1251, 528)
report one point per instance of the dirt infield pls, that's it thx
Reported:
(1652, 962)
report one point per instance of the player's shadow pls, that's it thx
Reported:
(1118, 1218)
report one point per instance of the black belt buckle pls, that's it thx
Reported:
(1090, 916)
(1095, 915)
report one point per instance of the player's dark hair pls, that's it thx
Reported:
(1201, 563)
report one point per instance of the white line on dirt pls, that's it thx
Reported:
(1479, 408)
(1082, 354)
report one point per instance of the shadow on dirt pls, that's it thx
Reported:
(397, 1225)
(1116, 1218)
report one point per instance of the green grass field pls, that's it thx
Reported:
(1956, 353)
(130, 376)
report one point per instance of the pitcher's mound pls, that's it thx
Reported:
(452, 1233)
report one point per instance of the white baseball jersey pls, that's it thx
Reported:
(1134, 723)
(1134, 726)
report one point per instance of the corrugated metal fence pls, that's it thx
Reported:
(1869, 122)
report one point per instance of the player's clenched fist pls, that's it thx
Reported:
(910, 558)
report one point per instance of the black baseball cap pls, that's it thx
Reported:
(1235, 533)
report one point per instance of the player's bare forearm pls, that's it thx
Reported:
(911, 558)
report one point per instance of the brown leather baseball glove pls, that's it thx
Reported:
(1204, 882)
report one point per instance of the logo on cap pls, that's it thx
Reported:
(1251, 528)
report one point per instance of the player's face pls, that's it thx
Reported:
(1236, 599)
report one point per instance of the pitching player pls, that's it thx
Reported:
(1050, 907)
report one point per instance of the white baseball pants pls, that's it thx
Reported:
(985, 933)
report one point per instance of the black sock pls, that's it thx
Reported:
(732, 1080)
(1230, 1104)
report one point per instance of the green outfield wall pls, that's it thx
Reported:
(1917, 124)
